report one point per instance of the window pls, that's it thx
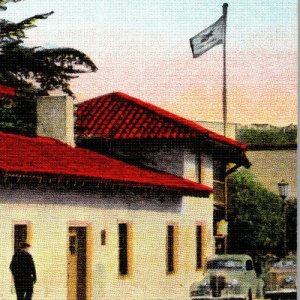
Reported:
(249, 265)
(229, 264)
(103, 237)
(199, 168)
(124, 249)
(21, 235)
(199, 247)
(200, 238)
(219, 167)
(172, 246)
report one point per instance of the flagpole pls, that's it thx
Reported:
(225, 6)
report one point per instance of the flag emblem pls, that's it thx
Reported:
(208, 38)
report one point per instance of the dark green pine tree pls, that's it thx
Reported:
(33, 71)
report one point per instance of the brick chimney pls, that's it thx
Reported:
(55, 118)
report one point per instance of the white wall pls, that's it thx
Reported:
(55, 118)
(191, 165)
(198, 167)
(50, 214)
(207, 170)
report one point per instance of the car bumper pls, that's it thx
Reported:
(217, 298)
(238, 297)
(288, 293)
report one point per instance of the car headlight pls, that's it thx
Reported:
(200, 288)
(233, 286)
(233, 283)
(289, 279)
(204, 283)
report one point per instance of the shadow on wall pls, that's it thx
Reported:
(101, 198)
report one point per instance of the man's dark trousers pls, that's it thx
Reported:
(24, 290)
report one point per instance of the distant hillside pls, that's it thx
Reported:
(257, 135)
(265, 135)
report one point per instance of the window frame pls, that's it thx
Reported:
(172, 266)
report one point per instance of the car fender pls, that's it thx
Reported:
(260, 288)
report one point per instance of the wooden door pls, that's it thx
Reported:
(77, 264)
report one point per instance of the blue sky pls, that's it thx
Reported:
(142, 48)
(174, 19)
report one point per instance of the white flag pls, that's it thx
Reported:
(208, 38)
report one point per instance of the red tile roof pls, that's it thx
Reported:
(120, 116)
(6, 91)
(45, 156)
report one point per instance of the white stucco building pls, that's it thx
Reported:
(127, 218)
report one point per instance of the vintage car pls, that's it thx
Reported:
(281, 279)
(230, 276)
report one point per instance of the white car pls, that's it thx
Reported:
(228, 276)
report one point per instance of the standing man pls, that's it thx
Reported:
(23, 271)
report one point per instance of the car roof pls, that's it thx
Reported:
(229, 257)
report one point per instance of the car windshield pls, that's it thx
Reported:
(225, 264)
(286, 263)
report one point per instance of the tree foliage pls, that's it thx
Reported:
(34, 71)
(256, 217)
(3, 2)
(267, 137)
(291, 223)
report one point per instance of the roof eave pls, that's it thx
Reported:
(17, 177)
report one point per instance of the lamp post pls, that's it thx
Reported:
(283, 188)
